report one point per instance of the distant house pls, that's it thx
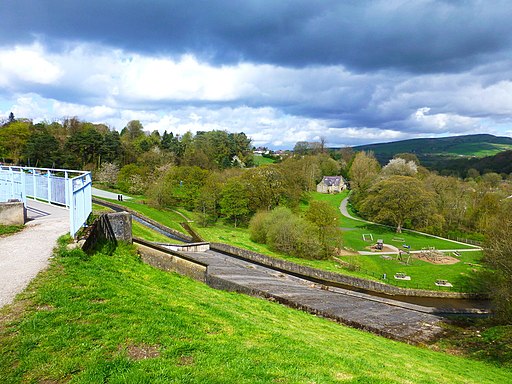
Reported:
(331, 184)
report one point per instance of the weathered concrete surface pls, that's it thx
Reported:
(24, 254)
(389, 318)
(12, 213)
(121, 224)
(166, 261)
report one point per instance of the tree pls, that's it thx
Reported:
(399, 166)
(325, 217)
(107, 174)
(42, 150)
(498, 255)
(408, 157)
(13, 139)
(234, 203)
(398, 200)
(363, 174)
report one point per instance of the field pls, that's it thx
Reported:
(92, 319)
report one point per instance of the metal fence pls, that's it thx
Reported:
(68, 188)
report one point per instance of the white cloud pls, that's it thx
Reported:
(27, 64)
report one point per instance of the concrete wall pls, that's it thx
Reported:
(12, 213)
(121, 224)
(192, 247)
(162, 259)
(301, 270)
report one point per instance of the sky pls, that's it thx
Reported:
(350, 72)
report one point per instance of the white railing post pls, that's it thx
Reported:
(11, 173)
(23, 186)
(71, 196)
(34, 182)
(48, 174)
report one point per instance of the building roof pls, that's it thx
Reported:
(332, 180)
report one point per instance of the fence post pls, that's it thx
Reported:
(69, 183)
(34, 182)
(23, 186)
(48, 174)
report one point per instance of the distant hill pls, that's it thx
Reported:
(432, 151)
(499, 163)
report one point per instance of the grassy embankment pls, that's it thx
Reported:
(114, 319)
(423, 274)
(138, 230)
(6, 230)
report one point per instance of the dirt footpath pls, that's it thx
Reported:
(26, 253)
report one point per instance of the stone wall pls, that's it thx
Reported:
(343, 280)
(168, 260)
(12, 213)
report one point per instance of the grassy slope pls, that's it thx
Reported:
(260, 160)
(168, 218)
(85, 320)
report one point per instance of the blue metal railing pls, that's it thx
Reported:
(69, 188)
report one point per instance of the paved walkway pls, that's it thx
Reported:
(107, 195)
(26, 253)
(390, 318)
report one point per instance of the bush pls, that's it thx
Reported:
(285, 232)
(258, 227)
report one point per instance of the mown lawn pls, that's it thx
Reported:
(354, 230)
(114, 319)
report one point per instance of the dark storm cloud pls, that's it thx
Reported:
(420, 36)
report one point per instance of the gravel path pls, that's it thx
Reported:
(26, 253)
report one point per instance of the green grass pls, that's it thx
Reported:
(423, 274)
(260, 160)
(353, 231)
(143, 232)
(166, 217)
(138, 230)
(6, 230)
(92, 319)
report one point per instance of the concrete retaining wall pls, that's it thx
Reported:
(166, 260)
(363, 284)
(191, 247)
(12, 213)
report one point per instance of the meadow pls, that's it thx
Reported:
(99, 318)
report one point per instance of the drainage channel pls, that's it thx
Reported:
(442, 306)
